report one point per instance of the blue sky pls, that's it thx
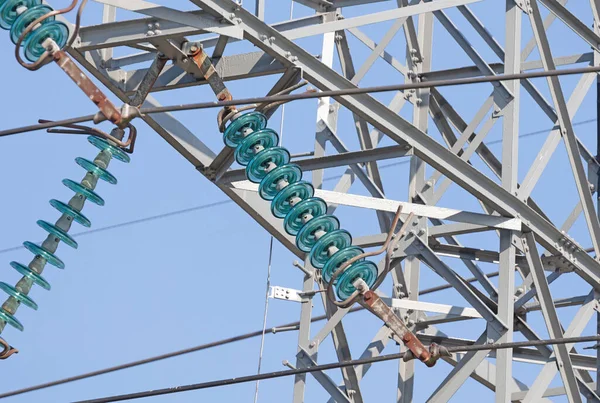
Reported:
(167, 284)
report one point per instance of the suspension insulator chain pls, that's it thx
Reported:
(58, 232)
(305, 216)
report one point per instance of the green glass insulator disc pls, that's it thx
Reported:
(41, 252)
(70, 211)
(21, 297)
(314, 206)
(244, 152)
(54, 30)
(104, 145)
(338, 259)
(25, 19)
(281, 203)
(306, 238)
(366, 270)
(58, 233)
(31, 274)
(255, 171)
(96, 170)
(11, 320)
(268, 188)
(319, 254)
(82, 190)
(8, 11)
(234, 133)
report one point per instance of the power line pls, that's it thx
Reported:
(324, 367)
(219, 203)
(278, 329)
(134, 222)
(322, 94)
(266, 312)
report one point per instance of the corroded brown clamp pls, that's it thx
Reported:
(7, 350)
(416, 349)
(435, 353)
(127, 146)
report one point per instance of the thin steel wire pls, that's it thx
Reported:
(323, 94)
(278, 329)
(264, 329)
(343, 364)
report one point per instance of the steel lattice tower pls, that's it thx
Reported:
(535, 251)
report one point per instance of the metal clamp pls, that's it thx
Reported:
(7, 350)
(127, 146)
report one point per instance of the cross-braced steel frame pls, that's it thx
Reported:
(532, 250)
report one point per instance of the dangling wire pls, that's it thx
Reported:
(264, 329)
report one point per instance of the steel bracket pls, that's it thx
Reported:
(288, 294)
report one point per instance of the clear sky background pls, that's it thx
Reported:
(166, 284)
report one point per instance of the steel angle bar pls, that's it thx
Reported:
(391, 206)
(552, 141)
(428, 257)
(219, 48)
(423, 210)
(336, 160)
(374, 349)
(467, 132)
(364, 177)
(532, 292)
(204, 23)
(578, 324)
(132, 32)
(340, 342)
(115, 63)
(356, 77)
(472, 53)
(486, 374)
(431, 307)
(369, 43)
(573, 22)
(462, 252)
(473, 71)
(415, 8)
(326, 382)
(466, 155)
(439, 231)
(552, 322)
(499, 51)
(460, 373)
(440, 108)
(568, 134)
(362, 130)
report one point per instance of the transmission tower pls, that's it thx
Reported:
(451, 104)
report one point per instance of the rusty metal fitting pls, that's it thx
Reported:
(127, 146)
(429, 358)
(7, 350)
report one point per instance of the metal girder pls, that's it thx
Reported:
(551, 318)
(235, 67)
(391, 206)
(567, 130)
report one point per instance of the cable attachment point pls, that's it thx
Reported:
(376, 306)
(7, 350)
(435, 353)
(114, 137)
